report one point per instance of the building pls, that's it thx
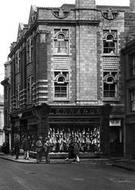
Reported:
(2, 132)
(128, 63)
(66, 76)
(7, 96)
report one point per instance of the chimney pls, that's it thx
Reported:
(84, 4)
(132, 5)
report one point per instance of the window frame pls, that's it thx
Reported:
(132, 64)
(112, 85)
(58, 43)
(29, 89)
(132, 100)
(110, 49)
(60, 84)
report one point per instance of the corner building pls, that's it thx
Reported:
(66, 76)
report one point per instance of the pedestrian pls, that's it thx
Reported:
(46, 149)
(39, 149)
(17, 146)
(70, 150)
(27, 147)
(76, 151)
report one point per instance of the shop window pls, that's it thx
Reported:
(88, 139)
(61, 41)
(61, 84)
(132, 100)
(110, 42)
(110, 85)
(132, 65)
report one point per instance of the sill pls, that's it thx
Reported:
(109, 55)
(29, 62)
(62, 55)
(111, 99)
(61, 99)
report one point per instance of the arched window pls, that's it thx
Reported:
(110, 85)
(61, 41)
(110, 42)
(61, 84)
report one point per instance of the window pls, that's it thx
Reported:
(110, 85)
(61, 41)
(61, 83)
(29, 89)
(17, 96)
(29, 50)
(132, 65)
(132, 100)
(17, 61)
(110, 42)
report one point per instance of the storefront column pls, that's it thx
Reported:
(43, 127)
(105, 130)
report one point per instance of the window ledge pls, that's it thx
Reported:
(111, 99)
(109, 55)
(62, 55)
(60, 99)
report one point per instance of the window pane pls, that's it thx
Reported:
(60, 90)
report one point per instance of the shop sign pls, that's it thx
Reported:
(115, 122)
(75, 111)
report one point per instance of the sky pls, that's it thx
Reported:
(14, 12)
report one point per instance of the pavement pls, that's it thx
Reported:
(128, 164)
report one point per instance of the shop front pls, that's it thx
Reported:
(89, 125)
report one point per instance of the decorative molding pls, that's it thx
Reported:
(60, 13)
(109, 14)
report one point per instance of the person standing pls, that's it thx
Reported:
(17, 146)
(76, 151)
(39, 149)
(46, 148)
(70, 150)
(27, 147)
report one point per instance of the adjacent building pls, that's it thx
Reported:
(66, 77)
(2, 132)
(7, 106)
(128, 65)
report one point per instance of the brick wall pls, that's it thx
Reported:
(86, 63)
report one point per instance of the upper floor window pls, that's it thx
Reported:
(61, 41)
(17, 96)
(110, 85)
(29, 50)
(29, 89)
(132, 65)
(132, 100)
(110, 42)
(61, 84)
(17, 61)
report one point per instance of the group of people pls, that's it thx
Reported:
(43, 147)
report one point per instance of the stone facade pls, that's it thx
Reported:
(68, 57)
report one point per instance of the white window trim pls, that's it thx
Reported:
(68, 39)
(68, 86)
